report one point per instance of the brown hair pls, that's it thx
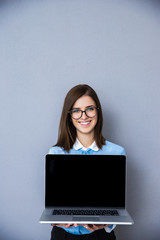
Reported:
(67, 132)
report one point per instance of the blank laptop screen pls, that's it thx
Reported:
(85, 180)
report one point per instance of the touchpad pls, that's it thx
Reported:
(92, 219)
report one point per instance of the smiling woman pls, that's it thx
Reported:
(80, 132)
(81, 118)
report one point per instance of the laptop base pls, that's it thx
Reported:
(122, 219)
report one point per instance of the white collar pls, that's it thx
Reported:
(77, 145)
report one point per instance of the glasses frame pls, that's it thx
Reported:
(82, 113)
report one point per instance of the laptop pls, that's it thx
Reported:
(85, 189)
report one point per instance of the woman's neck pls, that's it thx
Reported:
(86, 139)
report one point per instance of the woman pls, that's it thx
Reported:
(80, 132)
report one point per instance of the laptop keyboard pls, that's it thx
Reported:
(86, 212)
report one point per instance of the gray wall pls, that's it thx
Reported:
(47, 47)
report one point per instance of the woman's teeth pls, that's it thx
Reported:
(84, 123)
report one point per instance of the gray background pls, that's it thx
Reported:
(47, 47)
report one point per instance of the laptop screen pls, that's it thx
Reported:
(85, 180)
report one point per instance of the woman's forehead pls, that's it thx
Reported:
(83, 102)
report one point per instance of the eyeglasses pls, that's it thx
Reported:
(90, 112)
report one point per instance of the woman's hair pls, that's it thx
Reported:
(67, 132)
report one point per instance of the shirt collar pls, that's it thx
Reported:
(77, 145)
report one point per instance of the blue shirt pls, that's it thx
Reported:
(107, 149)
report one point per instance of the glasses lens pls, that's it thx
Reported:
(91, 111)
(76, 113)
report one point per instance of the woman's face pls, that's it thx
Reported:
(85, 125)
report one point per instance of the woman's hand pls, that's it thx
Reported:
(65, 225)
(90, 227)
(93, 227)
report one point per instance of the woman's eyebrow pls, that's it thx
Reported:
(90, 106)
(85, 107)
(76, 108)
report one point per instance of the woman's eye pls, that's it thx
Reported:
(90, 109)
(76, 111)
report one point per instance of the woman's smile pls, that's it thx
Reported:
(85, 123)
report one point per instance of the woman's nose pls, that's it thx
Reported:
(84, 116)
